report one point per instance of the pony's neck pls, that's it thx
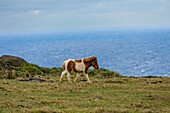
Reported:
(88, 62)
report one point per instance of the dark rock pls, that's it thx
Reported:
(5, 83)
(27, 75)
(150, 76)
(21, 105)
(90, 99)
(160, 81)
(83, 80)
(153, 82)
(1, 87)
(113, 81)
(32, 79)
(26, 80)
(150, 96)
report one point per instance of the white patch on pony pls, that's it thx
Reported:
(80, 66)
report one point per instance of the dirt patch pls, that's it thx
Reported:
(118, 82)
(154, 82)
(32, 79)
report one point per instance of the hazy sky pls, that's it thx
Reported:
(23, 15)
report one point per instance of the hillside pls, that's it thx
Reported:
(12, 67)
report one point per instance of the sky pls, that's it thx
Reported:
(33, 15)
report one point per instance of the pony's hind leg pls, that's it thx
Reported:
(62, 74)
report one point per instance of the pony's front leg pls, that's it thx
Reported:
(68, 77)
(78, 75)
(86, 75)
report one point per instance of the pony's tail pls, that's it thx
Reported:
(64, 65)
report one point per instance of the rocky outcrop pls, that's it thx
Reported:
(13, 66)
(8, 66)
(8, 62)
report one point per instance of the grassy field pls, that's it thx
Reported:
(117, 94)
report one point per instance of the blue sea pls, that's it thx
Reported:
(136, 51)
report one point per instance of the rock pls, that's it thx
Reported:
(153, 82)
(21, 105)
(90, 99)
(5, 83)
(160, 81)
(95, 99)
(150, 76)
(27, 75)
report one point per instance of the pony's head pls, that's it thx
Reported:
(95, 62)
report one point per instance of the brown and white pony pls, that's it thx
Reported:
(78, 66)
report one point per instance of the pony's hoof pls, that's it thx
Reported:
(89, 81)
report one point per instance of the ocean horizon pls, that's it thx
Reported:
(135, 51)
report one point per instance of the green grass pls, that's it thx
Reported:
(117, 94)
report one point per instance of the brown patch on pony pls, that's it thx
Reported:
(78, 60)
(72, 67)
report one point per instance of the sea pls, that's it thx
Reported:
(131, 51)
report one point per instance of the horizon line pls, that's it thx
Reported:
(91, 28)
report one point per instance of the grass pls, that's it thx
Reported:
(108, 92)
(117, 94)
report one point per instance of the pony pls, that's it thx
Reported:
(78, 66)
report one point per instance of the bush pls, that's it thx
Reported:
(103, 72)
(7, 74)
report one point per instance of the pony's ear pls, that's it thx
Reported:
(94, 58)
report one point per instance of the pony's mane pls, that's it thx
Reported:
(89, 58)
